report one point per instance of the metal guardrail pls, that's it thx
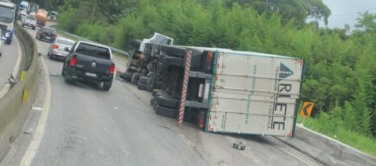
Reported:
(84, 39)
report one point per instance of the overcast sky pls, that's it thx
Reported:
(346, 11)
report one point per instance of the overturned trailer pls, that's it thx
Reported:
(224, 90)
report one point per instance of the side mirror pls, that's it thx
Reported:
(66, 49)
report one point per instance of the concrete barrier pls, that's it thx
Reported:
(327, 150)
(16, 104)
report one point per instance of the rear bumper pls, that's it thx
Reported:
(81, 76)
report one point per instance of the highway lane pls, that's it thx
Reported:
(87, 126)
(9, 62)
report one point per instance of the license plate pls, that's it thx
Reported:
(48, 38)
(91, 74)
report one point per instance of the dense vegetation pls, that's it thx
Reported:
(340, 76)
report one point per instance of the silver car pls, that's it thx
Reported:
(56, 49)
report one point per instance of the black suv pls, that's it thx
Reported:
(46, 33)
(91, 62)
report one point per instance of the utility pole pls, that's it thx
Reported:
(92, 14)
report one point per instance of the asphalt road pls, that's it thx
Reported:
(90, 127)
(8, 61)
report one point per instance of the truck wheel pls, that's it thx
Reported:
(165, 111)
(167, 102)
(135, 43)
(143, 80)
(152, 101)
(173, 61)
(141, 86)
(107, 85)
(155, 91)
(135, 78)
(126, 76)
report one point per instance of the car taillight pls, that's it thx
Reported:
(73, 61)
(112, 69)
(55, 46)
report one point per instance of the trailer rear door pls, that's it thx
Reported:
(254, 93)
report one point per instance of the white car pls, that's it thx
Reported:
(29, 21)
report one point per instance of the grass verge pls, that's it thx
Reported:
(336, 131)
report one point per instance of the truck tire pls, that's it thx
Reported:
(152, 101)
(135, 78)
(167, 101)
(132, 70)
(142, 86)
(107, 85)
(173, 61)
(126, 76)
(155, 91)
(144, 80)
(135, 42)
(165, 111)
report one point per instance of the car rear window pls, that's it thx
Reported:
(49, 30)
(93, 50)
(64, 42)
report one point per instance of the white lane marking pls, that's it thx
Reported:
(6, 88)
(33, 147)
(290, 152)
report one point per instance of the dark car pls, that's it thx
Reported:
(89, 62)
(47, 34)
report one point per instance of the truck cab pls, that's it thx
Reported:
(7, 19)
(138, 64)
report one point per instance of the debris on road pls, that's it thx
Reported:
(239, 145)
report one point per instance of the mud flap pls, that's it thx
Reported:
(165, 111)
(167, 101)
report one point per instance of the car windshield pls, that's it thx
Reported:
(49, 30)
(64, 42)
(6, 14)
(93, 50)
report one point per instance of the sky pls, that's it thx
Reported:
(346, 11)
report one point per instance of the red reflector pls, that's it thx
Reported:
(55, 46)
(112, 69)
(73, 61)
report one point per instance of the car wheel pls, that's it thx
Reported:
(165, 111)
(67, 79)
(63, 72)
(107, 85)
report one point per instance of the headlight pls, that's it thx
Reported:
(7, 34)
